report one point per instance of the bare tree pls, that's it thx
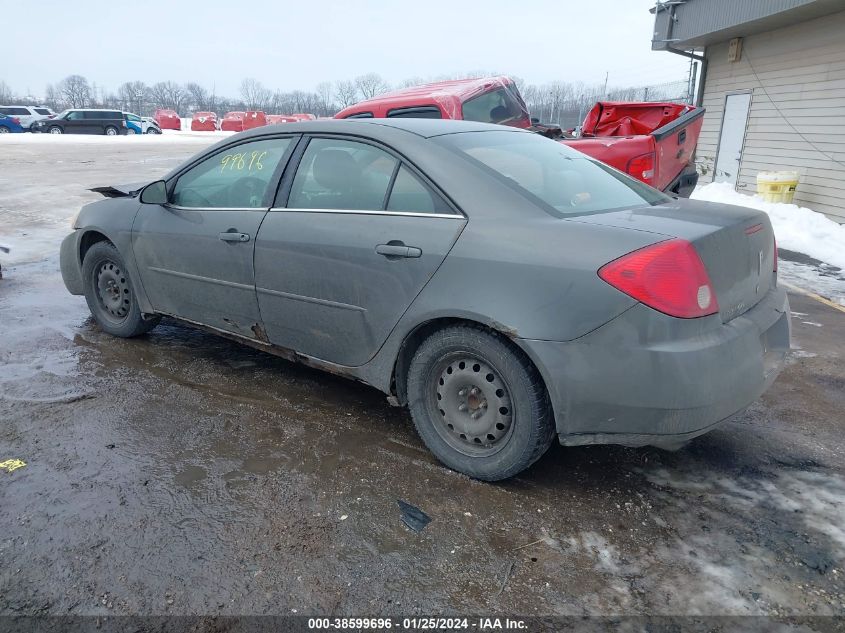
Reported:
(75, 91)
(255, 95)
(325, 99)
(5, 93)
(201, 99)
(370, 85)
(346, 93)
(168, 94)
(133, 95)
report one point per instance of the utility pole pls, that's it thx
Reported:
(604, 92)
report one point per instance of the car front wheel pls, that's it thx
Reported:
(56, 130)
(478, 404)
(109, 294)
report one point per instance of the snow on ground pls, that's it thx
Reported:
(168, 136)
(796, 228)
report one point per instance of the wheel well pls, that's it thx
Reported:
(88, 240)
(415, 338)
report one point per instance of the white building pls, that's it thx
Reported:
(772, 78)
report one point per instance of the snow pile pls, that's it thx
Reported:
(796, 228)
(169, 136)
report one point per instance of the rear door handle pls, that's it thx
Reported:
(398, 249)
(232, 236)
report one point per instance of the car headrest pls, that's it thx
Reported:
(336, 170)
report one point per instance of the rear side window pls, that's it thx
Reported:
(555, 177)
(361, 115)
(13, 111)
(409, 193)
(43, 111)
(341, 174)
(237, 177)
(419, 112)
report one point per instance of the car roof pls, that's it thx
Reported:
(425, 128)
(460, 88)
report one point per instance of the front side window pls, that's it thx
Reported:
(74, 115)
(238, 177)
(340, 174)
(559, 179)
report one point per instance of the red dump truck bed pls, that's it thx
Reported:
(653, 142)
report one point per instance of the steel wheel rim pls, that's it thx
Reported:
(111, 132)
(113, 293)
(55, 130)
(472, 408)
(4, 129)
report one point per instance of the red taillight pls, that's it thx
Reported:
(642, 167)
(668, 276)
(775, 264)
(16, 120)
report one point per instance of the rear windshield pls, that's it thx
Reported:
(560, 179)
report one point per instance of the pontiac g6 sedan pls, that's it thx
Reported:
(505, 287)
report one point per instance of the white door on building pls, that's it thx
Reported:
(731, 137)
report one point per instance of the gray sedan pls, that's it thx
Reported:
(504, 287)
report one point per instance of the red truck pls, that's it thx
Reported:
(653, 142)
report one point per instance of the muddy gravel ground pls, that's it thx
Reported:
(180, 473)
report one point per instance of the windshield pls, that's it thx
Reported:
(560, 179)
(502, 105)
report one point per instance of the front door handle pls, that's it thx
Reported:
(394, 249)
(232, 236)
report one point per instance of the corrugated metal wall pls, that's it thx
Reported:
(797, 116)
(697, 17)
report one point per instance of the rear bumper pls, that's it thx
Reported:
(649, 379)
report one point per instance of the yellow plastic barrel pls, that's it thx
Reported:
(777, 186)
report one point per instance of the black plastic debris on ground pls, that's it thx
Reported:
(413, 517)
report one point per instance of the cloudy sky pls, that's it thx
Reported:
(295, 45)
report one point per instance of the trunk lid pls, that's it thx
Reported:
(736, 245)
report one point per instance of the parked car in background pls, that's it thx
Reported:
(233, 122)
(653, 142)
(487, 100)
(204, 122)
(150, 125)
(254, 119)
(28, 116)
(168, 119)
(9, 124)
(304, 116)
(274, 119)
(86, 121)
(508, 289)
(140, 125)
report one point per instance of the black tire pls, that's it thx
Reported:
(109, 294)
(55, 129)
(479, 405)
(111, 131)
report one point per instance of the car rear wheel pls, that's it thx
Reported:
(111, 131)
(130, 131)
(479, 405)
(109, 294)
(56, 130)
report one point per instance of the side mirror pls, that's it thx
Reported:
(154, 193)
(535, 120)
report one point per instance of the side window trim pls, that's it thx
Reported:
(419, 109)
(283, 195)
(272, 185)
